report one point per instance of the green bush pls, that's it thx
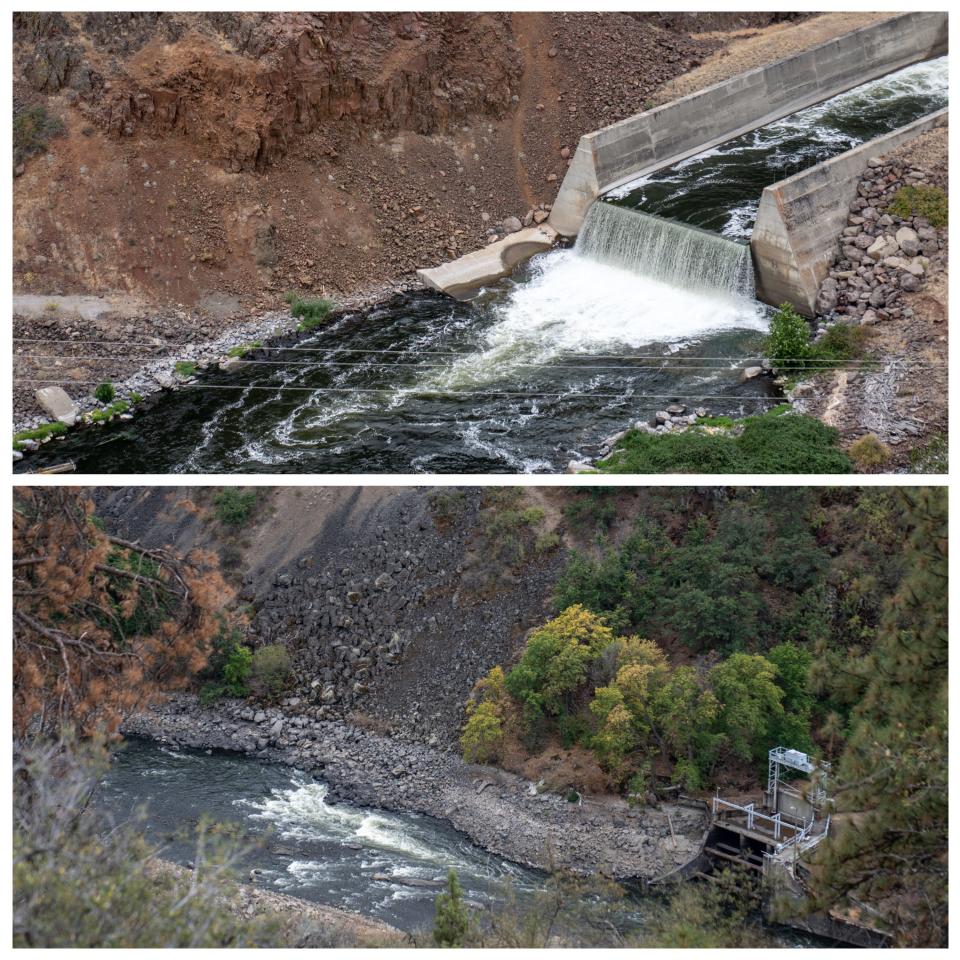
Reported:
(33, 128)
(482, 735)
(920, 200)
(105, 392)
(788, 342)
(547, 542)
(270, 670)
(185, 368)
(233, 507)
(841, 342)
(771, 443)
(311, 313)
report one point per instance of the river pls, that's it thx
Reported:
(537, 370)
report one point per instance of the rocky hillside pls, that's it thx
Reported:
(217, 160)
(394, 602)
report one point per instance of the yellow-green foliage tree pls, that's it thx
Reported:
(556, 660)
(482, 736)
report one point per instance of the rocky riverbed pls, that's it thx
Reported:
(499, 811)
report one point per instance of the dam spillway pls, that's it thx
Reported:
(663, 250)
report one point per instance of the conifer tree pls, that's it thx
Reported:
(888, 851)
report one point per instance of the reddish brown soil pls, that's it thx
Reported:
(237, 156)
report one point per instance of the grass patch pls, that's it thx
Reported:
(241, 349)
(99, 416)
(41, 433)
(920, 200)
(311, 313)
(790, 348)
(771, 443)
(715, 422)
(136, 397)
(33, 129)
(185, 368)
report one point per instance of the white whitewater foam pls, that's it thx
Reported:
(572, 305)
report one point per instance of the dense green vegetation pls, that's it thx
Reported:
(790, 347)
(622, 698)
(41, 433)
(921, 200)
(770, 443)
(234, 507)
(890, 701)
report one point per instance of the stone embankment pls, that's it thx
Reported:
(881, 255)
(499, 811)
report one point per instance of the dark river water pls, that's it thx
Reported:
(720, 189)
(536, 371)
(305, 846)
(337, 854)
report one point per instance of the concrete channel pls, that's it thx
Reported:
(642, 144)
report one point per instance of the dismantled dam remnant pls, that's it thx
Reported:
(794, 237)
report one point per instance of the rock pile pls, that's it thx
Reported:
(881, 256)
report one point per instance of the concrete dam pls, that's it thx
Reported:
(794, 219)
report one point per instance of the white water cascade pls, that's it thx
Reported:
(673, 253)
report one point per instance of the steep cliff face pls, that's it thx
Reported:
(247, 92)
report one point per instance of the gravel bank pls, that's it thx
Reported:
(500, 812)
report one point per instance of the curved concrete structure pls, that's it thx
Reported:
(794, 240)
(649, 141)
(463, 277)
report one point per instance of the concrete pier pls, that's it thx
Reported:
(794, 240)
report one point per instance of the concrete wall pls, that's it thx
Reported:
(794, 240)
(649, 141)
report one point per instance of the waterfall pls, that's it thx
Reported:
(664, 250)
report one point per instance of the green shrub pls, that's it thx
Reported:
(270, 670)
(547, 542)
(233, 507)
(33, 128)
(311, 313)
(136, 397)
(791, 444)
(920, 200)
(840, 343)
(105, 392)
(482, 736)
(869, 452)
(185, 368)
(788, 342)
(771, 443)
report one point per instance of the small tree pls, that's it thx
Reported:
(482, 736)
(271, 670)
(452, 924)
(788, 343)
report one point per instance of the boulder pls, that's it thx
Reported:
(749, 373)
(908, 241)
(56, 401)
(512, 225)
